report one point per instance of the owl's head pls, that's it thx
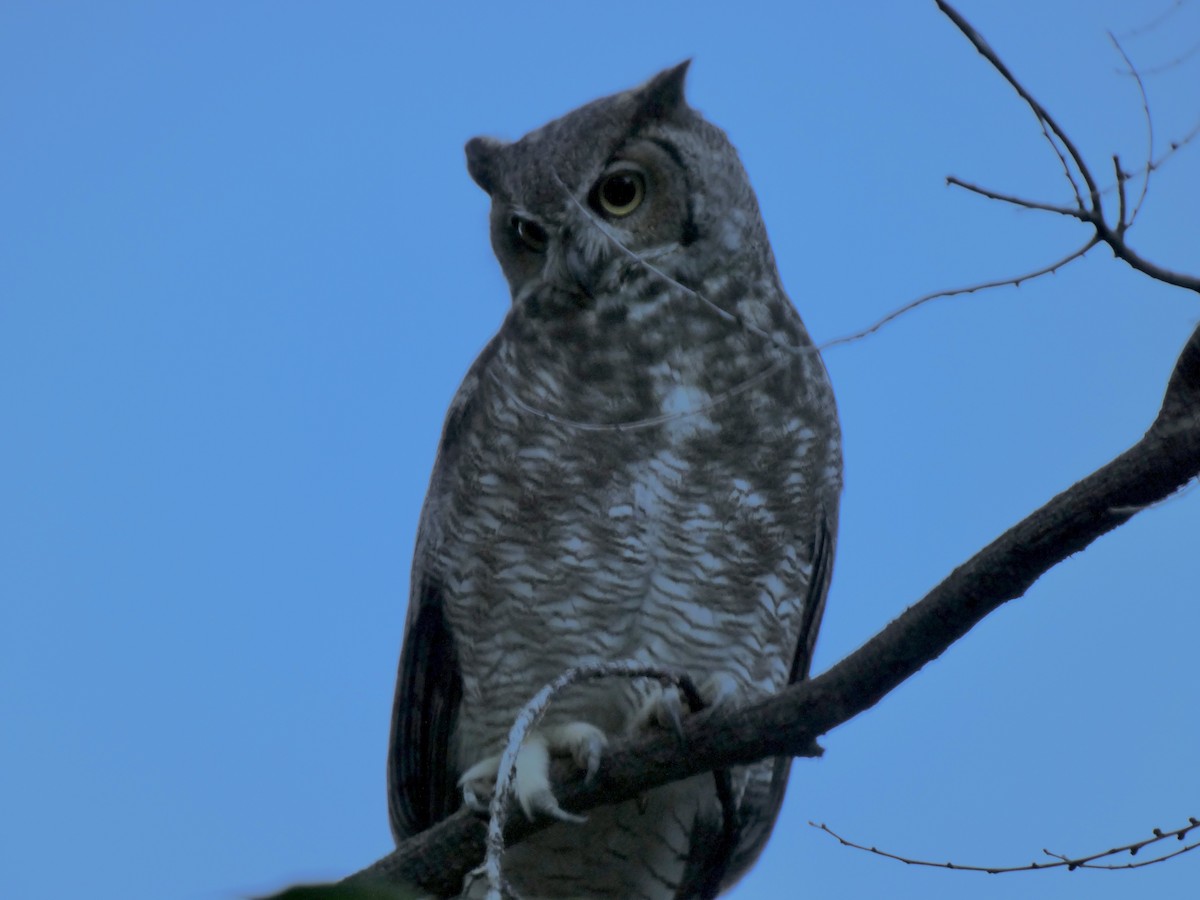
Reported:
(580, 205)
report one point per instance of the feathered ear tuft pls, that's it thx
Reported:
(482, 161)
(662, 95)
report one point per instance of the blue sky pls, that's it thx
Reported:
(243, 268)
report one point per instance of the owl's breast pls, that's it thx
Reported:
(678, 542)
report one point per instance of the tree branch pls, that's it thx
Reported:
(1074, 212)
(1090, 211)
(1012, 281)
(1165, 459)
(1122, 251)
(1070, 863)
(1043, 116)
(1133, 72)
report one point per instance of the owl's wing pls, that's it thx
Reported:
(721, 852)
(422, 778)
(814, 602)
(422, 788)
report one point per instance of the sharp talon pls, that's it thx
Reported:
(474, 802)
(674, 720)
(544, 804)
(563, 816)
(668, 713)
(670, 709)
(718, 691)
(590, 775)
(585, 743)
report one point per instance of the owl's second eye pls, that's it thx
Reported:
(529, 233)
(619, 193)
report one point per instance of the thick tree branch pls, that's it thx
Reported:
(1165, 459)
(1122, 251)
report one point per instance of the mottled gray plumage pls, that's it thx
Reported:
(643, 464)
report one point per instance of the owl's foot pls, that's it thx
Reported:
(719, 690)
(664, 708)
(582, 742)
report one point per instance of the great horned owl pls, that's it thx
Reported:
(643, 464)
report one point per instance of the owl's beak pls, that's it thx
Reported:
(575, 272)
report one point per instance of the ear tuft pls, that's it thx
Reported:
(482, 161)
(662, 95)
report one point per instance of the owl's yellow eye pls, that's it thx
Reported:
(620, 193)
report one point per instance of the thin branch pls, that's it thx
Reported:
(1062, 159)
(1093, 214)
(1166, 458)
(1039, 111)
(1015, 281)
(1172, 148)
(641, 259)
(1122, 224)
(1176, 146)
(644, 260)
(1174, 63)
(1070, 863)
(1141, 85)
(1156, 22)
(1113, 238)
(1076, 212)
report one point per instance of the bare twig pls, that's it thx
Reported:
(1015, 281)
(1176, 146)
(1156, 22)
(1090, 211)
(1172, 148)
(1173, 63)
(1062, 160)
(1038, 110)
(1122, 222)
(642, 260)
(1062, 861)
(1075, 212)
